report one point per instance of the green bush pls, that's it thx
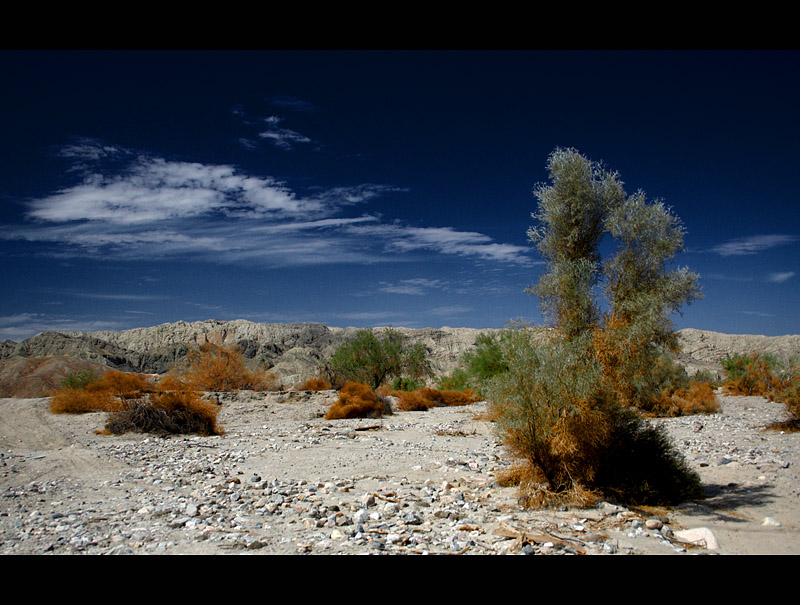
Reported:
(457, 380)
(753, 374)
(371, 360)
(486, 360)
(79, 379)
(478, 365)
(404, 383)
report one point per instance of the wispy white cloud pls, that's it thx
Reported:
(282, 137)
(25, 325)
(152, 208)
(466, 243)
(269, 128)
(292, 102)
(414, 286)
(368, 315)
(779, 278)
(722, 277)
(449, 311)
(752, 244)
(758, 314)
(446, 240)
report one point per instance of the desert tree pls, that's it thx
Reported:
(565, 402)
(636, 339)
(569, 226)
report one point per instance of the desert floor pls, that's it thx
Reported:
(282, 480)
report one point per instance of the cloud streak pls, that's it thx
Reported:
(779, 278)
(752, 244)
(24, 325)
(137, 206)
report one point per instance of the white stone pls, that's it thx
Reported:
(699, 536)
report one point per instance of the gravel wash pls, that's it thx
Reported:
(282, 480)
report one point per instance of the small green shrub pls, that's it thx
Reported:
(752, 374)
(404, 383)
(457, 380)
(486, 360)
(79, 379)
(371, 360)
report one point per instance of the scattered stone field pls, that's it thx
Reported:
(282, 480)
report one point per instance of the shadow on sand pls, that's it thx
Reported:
(723, 500)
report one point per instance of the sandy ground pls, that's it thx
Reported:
(752, 476)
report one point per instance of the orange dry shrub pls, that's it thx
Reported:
(215, 368)
(172, 412)
(411, 401)
(121, 384)
(315, 384)
(79, 401)
(106, 394)
(749, 375)
(788, 393)
(518, 473)
(426, 398)
(174, 382)
(697, 398)
(356, 400)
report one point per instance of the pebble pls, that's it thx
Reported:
(190, 494)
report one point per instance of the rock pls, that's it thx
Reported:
(698, 536)
(770, 522)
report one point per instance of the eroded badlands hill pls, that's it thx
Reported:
(293, 351)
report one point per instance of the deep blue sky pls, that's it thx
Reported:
(376, 188)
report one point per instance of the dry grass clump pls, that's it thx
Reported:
(104, 394)
(168, 412)
(697, 398)
(749, 375)
(518, 473)
(411, 401)
(135, 404)
(426, 398)
(357, 400)
(763, 375)
(315, 384)
(79, 401)
(222, 369)
(788, 393)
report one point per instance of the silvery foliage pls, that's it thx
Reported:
(583, 203)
